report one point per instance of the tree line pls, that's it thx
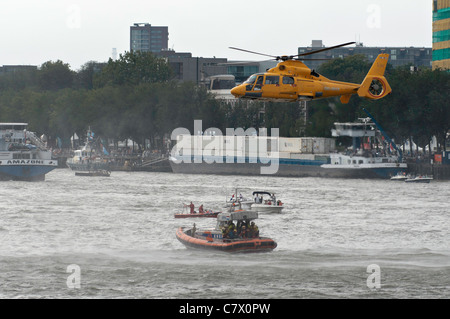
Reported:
(136, 97)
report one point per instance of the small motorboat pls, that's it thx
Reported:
(239, 201)
(192, 213)
(266, 202)
(207, 214)
(419, 179)
(235, 232)
(401, 176)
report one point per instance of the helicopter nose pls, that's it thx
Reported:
(238, 91)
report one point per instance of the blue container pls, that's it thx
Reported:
(446, 158)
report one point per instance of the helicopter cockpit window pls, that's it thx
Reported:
(270, 79)
(288, 80)
(251, 79)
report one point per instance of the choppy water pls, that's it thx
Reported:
(120, 232)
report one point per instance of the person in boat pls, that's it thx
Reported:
(230, 231)
(279, 203)
(201, 210)
(243, 233)
(253, 230)
(192, 207)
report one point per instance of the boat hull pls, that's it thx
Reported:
(197, 215)
(88, 167)
(418, 180)
(261, 208)
(26, 172)
(291, 168)
(101, 173)
(250, 245)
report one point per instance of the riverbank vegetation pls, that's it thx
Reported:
(134, 97)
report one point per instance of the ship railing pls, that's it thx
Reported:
(36, 141)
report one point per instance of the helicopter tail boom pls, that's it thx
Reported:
(375, 86)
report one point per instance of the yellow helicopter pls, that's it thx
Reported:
(292, 80)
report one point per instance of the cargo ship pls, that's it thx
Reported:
(23, 155)
(369, 157)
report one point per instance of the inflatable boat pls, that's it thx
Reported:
(235, 232)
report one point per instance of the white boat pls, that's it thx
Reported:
(373, 153)
(401, 176)
(419, 179)
(23, 155)
(239, 201)
(89, 160)
(266, 202)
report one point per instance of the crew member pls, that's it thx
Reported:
(254, 230)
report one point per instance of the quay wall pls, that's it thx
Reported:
(439, 171)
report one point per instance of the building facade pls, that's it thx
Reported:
(147, 38)
(441, 34)
(417, 57)
(12, 69)
(195, 69)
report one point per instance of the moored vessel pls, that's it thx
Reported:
(23, 155)
(89, 160)
(372, 155)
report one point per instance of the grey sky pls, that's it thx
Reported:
(36, 31)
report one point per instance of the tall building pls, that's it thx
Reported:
(196, 69)
(147, 38)
(413, 56)
(441, 34)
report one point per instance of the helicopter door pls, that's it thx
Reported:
(259, 83)
(272, 86)
(288, 88)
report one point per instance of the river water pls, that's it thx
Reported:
(100, 237)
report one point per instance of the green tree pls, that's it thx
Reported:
(55, 76)
(133, 68)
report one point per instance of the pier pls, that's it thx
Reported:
(439, 171)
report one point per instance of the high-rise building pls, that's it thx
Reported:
(441, 34)
(147, 38)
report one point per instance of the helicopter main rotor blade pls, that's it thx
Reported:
(325, 49)
(300, 59)
(271, 56)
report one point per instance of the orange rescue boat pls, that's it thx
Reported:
(235, 232)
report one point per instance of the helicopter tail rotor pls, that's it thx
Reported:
(375, 86)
